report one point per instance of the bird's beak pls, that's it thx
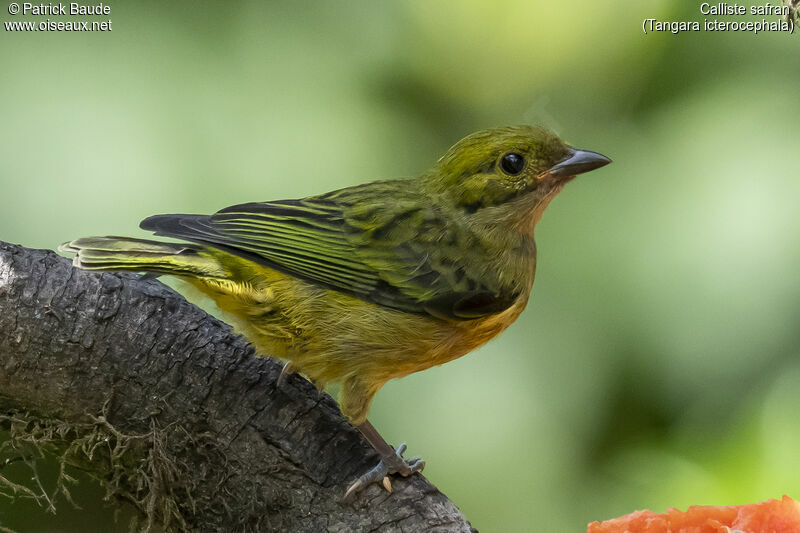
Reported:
(578, 162)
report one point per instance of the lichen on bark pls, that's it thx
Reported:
(119, 376)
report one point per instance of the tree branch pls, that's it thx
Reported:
(120, 376)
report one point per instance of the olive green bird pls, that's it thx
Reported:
(372, 282)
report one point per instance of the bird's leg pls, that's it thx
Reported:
(392, 462)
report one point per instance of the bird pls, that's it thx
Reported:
(375, 281)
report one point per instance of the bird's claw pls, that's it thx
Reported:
(288, 368)
(388, 465)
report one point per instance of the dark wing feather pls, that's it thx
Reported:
(397, 254)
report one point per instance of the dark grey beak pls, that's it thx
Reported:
(579, 162)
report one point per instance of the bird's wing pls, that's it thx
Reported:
(396, 253)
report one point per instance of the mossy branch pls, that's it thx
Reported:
(119, 376)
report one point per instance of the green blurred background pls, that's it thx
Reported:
(658, 362)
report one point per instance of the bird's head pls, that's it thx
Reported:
(517, 168)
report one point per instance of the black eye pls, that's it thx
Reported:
(512, 164)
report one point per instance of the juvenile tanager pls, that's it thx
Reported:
(376, 281)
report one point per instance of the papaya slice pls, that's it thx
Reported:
(773, 516)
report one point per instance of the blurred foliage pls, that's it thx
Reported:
(657, 364)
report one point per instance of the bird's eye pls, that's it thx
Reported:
(512, 164)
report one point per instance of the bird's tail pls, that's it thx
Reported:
(142, 255)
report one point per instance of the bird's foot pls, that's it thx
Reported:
(288, 368)
(389, 464)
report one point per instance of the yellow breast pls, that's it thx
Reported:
(333, 337)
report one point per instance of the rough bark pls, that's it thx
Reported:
(120, 376)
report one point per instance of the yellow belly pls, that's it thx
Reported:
(333, 337)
